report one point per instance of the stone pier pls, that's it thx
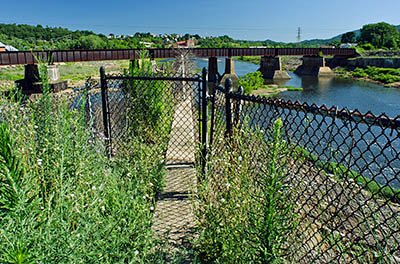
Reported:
(271, 69)
(315, 66)
(230, 72)
(212, 72)
(32, 82)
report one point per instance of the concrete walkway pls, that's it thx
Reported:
(173, 219)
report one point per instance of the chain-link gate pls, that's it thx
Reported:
(150, 107)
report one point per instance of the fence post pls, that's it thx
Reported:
(228, 107)
(204, 120)
(103, 83)
(238, 107)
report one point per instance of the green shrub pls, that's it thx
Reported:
(150, 104)
(251, 81)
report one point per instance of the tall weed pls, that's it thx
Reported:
(70, 203)
(245, 212)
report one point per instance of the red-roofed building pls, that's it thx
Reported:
(185, 44)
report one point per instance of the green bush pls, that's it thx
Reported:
(251, 81)
(150, 104)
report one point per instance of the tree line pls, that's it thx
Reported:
(26, 37)
(371, 36)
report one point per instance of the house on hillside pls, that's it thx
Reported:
(4, 47)
(185, 44)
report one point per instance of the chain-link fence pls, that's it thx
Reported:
(342, 167)
(146, 107)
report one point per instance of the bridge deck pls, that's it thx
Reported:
(30, 57)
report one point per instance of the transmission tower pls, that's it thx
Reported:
(298, 34)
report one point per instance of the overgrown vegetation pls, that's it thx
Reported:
(251, 81)
(245, 212)
(384, 75)
(62, 200)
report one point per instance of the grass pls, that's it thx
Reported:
(62, 200)
(252, 59)
(244, 210)
(383, 75)
(341, 171)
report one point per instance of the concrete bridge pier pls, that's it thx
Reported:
(271, 68)
(230, 72)
(32, 82)
(212, 73)
(315, 66)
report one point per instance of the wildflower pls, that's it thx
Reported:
(240, 158)
(136, 252)
(151, 208)
(93, 188)
(35, 126)
(39, 161)
(51, 113)
(92, 173)
(103, 208)
(228, 185)
(72, 195)
(223, 200)
(90, 141)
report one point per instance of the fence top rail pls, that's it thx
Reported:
(334, 112)
(150, 78)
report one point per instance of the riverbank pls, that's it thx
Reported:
(288, 63)
(387, 77)
(274, 90)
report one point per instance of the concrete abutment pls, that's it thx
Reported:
(315, 66)
(230, 72)
(271, 68)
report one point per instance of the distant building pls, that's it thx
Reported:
(348, 45)
(146, 44)
(111, 36)
(4, 47)
(185, 44)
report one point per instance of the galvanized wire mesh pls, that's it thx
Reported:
(147, 106)
(343, 167)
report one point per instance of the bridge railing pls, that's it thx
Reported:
(29, 57)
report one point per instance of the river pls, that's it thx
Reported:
(366, 149)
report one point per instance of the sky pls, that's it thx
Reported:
(241, 19)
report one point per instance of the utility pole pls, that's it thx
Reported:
(298, 34)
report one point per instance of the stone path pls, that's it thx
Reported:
(173, 219)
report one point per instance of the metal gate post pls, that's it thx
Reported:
(228, 107)
(204, 120)
(103, 83)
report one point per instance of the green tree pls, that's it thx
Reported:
(90, 42)
(349, 37)
(380, 35)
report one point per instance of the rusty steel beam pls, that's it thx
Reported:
(31, 57)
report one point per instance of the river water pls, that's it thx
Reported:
(366, 149)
